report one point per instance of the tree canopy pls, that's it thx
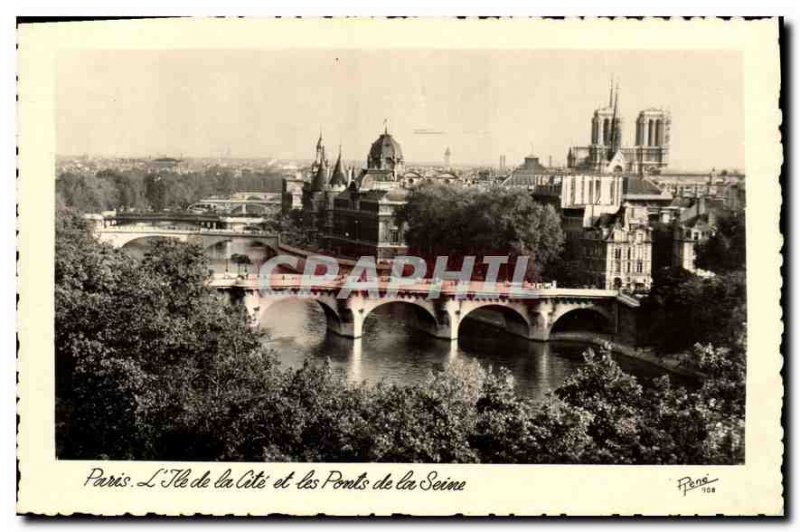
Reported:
(456, 221)
(142, 190)
(683, 309)
(726, 249)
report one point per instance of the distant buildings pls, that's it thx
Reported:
(676, 239)
(239, 204)
(623, 212)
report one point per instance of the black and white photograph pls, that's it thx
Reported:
(429, 255)
(621, 211)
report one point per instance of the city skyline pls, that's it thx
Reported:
(480, 104)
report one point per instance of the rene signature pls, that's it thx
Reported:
(687, 484)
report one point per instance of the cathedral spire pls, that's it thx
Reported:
(616, 134)
(611, 92)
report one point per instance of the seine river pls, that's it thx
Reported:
(393, 351)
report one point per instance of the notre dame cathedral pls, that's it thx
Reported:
(606, 153)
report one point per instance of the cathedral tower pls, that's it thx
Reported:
(607, 154)
(652, 140)
(606, 131)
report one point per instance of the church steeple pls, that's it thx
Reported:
(616, 125)
(320, 155)
(319, 169)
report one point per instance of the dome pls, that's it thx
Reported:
(385, 153)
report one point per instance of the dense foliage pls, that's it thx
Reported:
(726, 249)
(291, 228)
(455, 221)
(683, 309)
(141, 190)
(153, 365)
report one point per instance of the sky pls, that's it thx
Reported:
(481, 103)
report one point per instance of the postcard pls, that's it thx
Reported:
(425, 267)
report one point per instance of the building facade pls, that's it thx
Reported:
(349, 215)
(617, 250)
(364, 214)
(318, 194)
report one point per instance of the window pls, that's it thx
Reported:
(639, 267)
(618, 253)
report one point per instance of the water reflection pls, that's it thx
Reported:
(394, 351)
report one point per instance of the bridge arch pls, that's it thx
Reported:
(211, 241)
(333, 320)
(222, 249)
(591, 319)
(515, 317)
(423, 314)
(139, 243)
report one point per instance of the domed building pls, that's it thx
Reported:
(355, 216)
(386, 154)
(385, 164)
(364, 213)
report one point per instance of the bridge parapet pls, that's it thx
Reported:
(531, 315)
(122, 235)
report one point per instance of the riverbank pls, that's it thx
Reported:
(669, 363)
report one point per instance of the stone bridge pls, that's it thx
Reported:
(537, 315)
(125, 230)
(128, 235)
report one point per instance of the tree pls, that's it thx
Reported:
(86, 192)
(456, 222)
(145, 353)
(726, 249)
(510, 429)
(659, 423)
(155, 191)
(291, 228)
(683, 309)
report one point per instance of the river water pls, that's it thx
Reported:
(392, 350)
